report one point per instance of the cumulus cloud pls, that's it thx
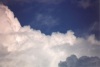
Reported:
(26, 47)
(83, 61)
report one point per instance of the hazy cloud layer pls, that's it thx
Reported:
(83, 61)
(26, 47)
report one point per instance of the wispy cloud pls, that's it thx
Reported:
(45, 20)
(95, 28)
(85, 3)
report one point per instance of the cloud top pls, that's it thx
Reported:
(8, 23)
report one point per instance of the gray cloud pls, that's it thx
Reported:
(26, 47)
(83, 61)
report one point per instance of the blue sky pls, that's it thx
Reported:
(80, 16)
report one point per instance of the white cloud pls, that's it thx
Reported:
(26, 47)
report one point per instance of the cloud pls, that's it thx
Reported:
(45, 20)
(95, 29)
(95, 26)
(85, 3)
(26, 47)
(83, 61)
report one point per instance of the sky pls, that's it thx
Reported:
(44, 33)
(80, 16)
